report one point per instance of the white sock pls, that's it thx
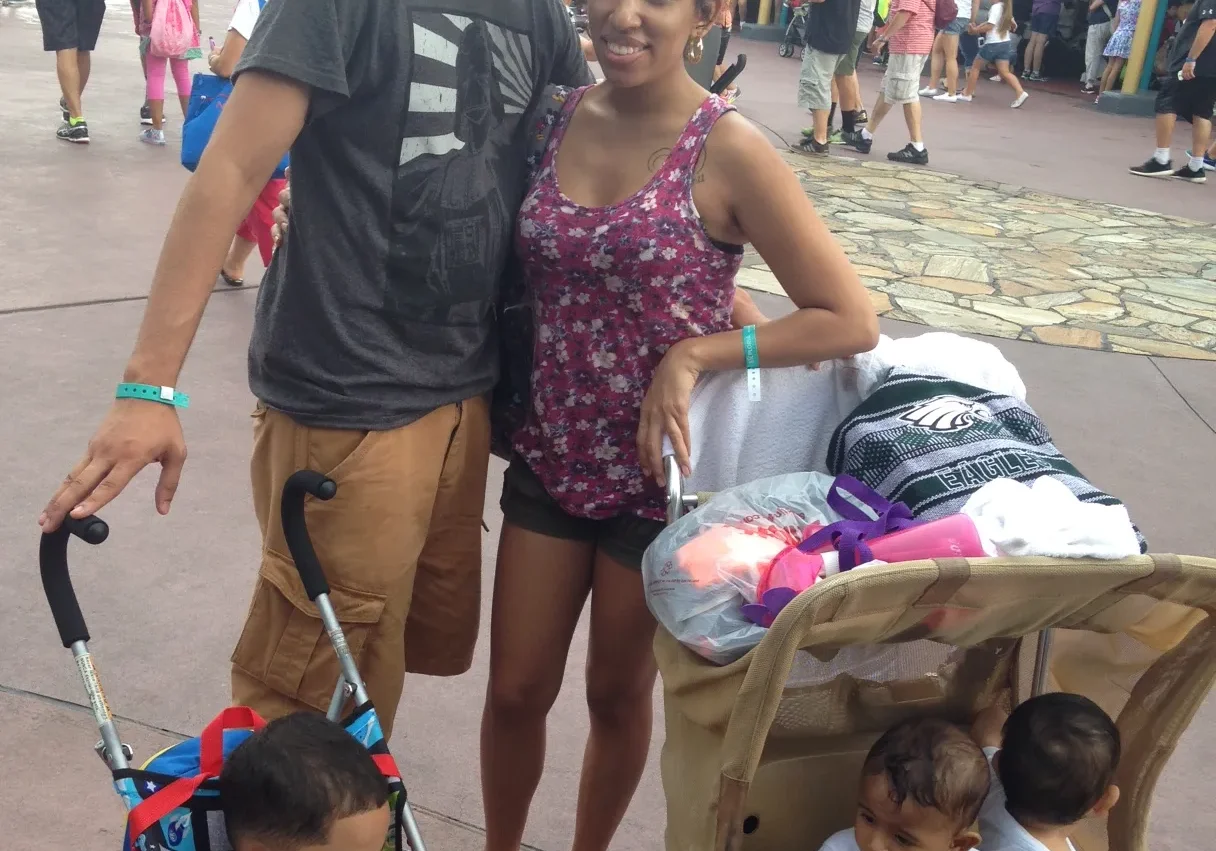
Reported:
(866, 134)
(1162, 155)
(1196, 163)
(920, 146)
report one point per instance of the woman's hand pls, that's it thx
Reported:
(665, 411)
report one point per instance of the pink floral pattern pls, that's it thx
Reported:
(613, 289)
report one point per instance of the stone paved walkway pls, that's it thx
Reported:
(1002, 261)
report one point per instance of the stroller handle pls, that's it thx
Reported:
(299, 485)
(57, 581)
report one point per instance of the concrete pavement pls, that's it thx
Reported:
(79, 233)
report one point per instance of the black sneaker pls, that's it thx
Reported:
(854, 140)
(145, 115)
(1152, 168)
(810, 146)
(1190, 175)
(78, 133)
(909, 155)
(862, 117)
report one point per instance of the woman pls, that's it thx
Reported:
(630, 238)
(254, 232)
(945, 51)
(1119, 48)
(726, 21)
(997, 50)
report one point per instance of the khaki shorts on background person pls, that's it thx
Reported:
(848, 63)
(901, 82)
(401, 548)
(815, 81)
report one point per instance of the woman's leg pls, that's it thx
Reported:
(950, 51)
(182, 82)
(1009, 78)
(156, 89)
(1038, 42)
(1111, 78)
(973, 76)
(233, 270)
(620, 684)
(540, 586)
(936, 58)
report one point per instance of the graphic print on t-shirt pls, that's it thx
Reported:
(470, 84)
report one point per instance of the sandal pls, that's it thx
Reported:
(230, 280)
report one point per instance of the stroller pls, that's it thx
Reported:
(795, 30)
(173, 799)
(760, 754)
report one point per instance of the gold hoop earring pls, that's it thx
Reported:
(694, 49)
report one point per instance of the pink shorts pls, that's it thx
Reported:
(256, 227)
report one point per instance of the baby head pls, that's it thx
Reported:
(304, 784)
(922, 786)
(1057, 762)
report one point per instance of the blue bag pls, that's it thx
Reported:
(208, 95)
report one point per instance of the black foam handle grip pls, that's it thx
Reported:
(728, 76)
(301, 484)
(57, 581)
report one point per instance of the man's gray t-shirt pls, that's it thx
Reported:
(406, 180)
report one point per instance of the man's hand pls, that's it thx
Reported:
(133, 435)
(279, 229)
(1188, 71)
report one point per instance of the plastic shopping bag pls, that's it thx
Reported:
(702, 569)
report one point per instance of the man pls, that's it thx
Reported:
(1101, 25)
(373, 345)
(1044, 17)
(851, 112)
(1188, 91)
(829, 33)
(69, 30)
(909, 35)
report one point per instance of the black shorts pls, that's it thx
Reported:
(722, 46)
(70, 24)
(525, 503)
(1186, 98)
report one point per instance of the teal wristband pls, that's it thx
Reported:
(751, 354)
(152, 393)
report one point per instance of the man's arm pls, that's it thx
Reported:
(1203, 39)
(569, 52)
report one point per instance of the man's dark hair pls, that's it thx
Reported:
(1058, 757)
(288, 783)
(935, 764)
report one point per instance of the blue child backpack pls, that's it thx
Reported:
(173, 801)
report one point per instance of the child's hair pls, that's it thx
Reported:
(935, 764)
(1058, 757)
(288, 783)
(1006, 17)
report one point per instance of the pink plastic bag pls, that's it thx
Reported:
(172, 29)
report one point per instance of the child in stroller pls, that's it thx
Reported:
(795, 30)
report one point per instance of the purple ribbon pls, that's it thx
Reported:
(848, 536)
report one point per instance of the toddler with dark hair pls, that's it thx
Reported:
(303, 783)
(922, 785)
(1053, 763)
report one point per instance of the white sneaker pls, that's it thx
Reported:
(1021, 99)
(153, 137)
(946, 97)
(963, 98)
(928, 92)
(996, 78)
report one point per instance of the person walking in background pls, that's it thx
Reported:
(1101, 25)
(1044, 16)
(155, 72)
(997, 50)
(945, 52)
(848, 87)
(69, 30)
(725, 20)
(909, 35)
(1187, 91)
(829, 34)
(145, 111)
(968, 41)
(1119, 48)
(255, 231)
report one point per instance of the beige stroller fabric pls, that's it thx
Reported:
(765, 753)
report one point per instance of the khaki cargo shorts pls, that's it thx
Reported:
(901, 82)
(401, 549)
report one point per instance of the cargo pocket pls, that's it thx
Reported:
(284, 645)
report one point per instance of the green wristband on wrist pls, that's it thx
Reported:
(152, 393)
(751, 362)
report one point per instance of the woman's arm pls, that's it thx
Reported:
(834, 319)
(223, 61)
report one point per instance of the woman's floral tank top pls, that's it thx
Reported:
(613, 288)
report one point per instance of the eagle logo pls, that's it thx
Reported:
(947, 414)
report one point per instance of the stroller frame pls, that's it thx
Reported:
(794, 36)
(65, 608)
